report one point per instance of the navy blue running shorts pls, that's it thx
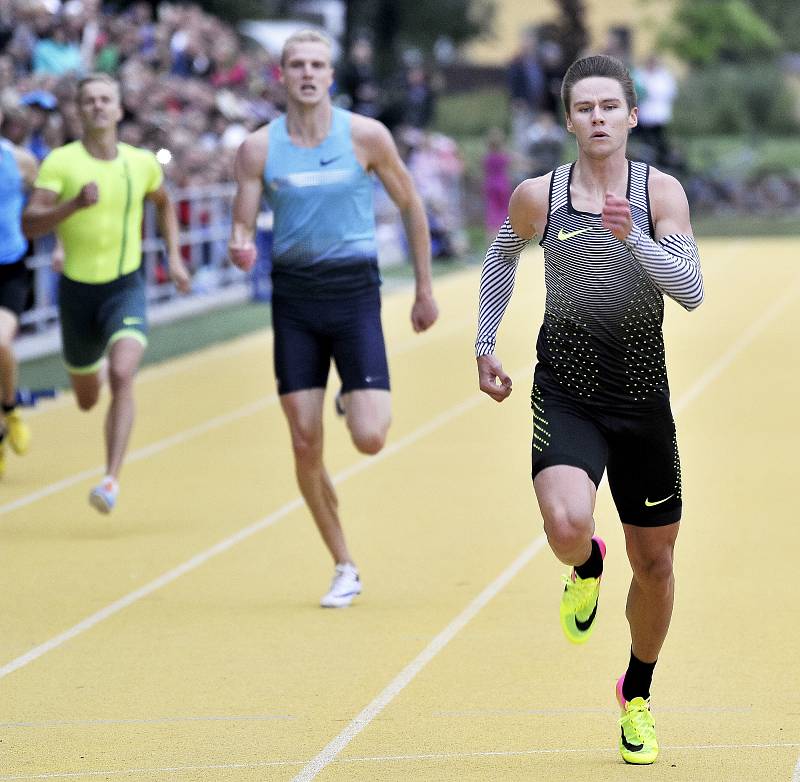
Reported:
(15, 286)
(639, 448)
(310, 332)
(95, 316)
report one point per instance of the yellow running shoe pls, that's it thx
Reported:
(2, 458)
(579, 603)
(19, 436)
(637, 741)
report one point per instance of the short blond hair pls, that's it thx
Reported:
(90, 78)
(307, 35)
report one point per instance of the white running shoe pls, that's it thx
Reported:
(103, 497)
(345, 586)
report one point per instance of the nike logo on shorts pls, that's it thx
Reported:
(328, 161)
(649, 504)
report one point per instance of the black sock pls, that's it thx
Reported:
(638, 678)
(593, 567)
(8, 408)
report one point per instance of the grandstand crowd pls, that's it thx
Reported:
(188, 85)
(193, 90)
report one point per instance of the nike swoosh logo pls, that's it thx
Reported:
(328, 161)
(630, 747)
(584, 626)
(648, 504)
(131, 321)
(564, 235)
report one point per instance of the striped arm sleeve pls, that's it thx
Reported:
(497, 284)
(673, 264)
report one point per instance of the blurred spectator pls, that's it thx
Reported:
(58, 53)
(418, 99)
(497, 185)
(358, 81)
(437, 168)
(618, 43)
(544, 144)
(527, 86)
(41, 105)
(658, 89)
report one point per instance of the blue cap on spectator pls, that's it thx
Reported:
(41, 98)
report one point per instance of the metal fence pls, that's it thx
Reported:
(204, 216)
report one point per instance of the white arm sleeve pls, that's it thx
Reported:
(497, 284)
(673, 264)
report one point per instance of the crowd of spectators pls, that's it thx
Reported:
(189, 86)
(192, 88)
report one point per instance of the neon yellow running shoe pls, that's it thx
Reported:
(19, 436)
(579, 603)
(637, 741)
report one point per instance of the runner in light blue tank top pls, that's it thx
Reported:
(17, 171)
(13, 243)
(320, 251)
(315, 167)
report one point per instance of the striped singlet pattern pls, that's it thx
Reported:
(601, 338)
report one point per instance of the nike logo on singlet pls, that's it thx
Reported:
(649, 504)
(328, 161)
(564, 235)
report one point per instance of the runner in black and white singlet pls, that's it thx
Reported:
(616, 236)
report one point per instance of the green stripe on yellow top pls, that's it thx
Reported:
(103, 241)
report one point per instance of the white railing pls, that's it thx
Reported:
(204, 217)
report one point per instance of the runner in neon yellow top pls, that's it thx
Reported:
(99, 246)
(93, 191)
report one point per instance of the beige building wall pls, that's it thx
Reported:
(644, 17)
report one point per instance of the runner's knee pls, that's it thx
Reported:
(369, 442)
(566, 528)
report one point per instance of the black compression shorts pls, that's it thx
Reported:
(310, 332)
(638, 448)
(15, 286)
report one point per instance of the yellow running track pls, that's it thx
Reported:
(180, 638)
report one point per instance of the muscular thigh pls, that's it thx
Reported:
(565, 434)
(14, 287)
(359, 350)
(92, 316)
(303, 350)
(644, 471)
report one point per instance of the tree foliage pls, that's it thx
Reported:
(397, 23)
(570, 28)
(784, 16)
(703, 32)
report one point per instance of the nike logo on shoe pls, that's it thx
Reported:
(630, 747)
(328, 161)
(564, 235)
(583, 626)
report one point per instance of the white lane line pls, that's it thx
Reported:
(232, 540)
(144, 452)
(153, 721)
(745, 339)
(796, 775)
(330, 752)
(399, 683)
(256, 764)
(203, 428)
